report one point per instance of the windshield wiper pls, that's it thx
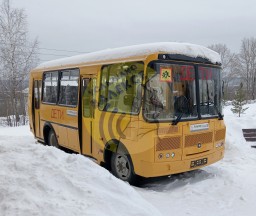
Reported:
(182, 107)
(177, 120)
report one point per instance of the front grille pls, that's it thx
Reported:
(168, 143)
(192, 140)
(220, 135)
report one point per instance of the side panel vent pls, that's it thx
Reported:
(168, 143)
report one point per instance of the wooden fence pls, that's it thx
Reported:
(250, 135)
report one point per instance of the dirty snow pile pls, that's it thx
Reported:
(41, 180)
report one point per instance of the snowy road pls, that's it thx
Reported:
(226, 188)
(41, 180)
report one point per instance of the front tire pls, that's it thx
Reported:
(52, 139)
(122, 168)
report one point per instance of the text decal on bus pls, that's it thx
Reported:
(57, 114)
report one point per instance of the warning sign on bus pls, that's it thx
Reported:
(165, 74)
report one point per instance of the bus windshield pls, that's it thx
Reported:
(170, 92)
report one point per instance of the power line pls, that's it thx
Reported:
(44, 60)
(52, 54)
(62, 50)
(51, 49)
(58, 55)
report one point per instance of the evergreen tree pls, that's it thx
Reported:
(239, 101)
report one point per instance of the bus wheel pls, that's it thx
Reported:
(122, 168)
(52, 140)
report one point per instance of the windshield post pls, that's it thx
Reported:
(197, 93)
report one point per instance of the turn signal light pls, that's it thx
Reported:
(219, 144)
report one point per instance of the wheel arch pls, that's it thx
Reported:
(113, 146)
(47, 128)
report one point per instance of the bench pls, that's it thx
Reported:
(250, 135)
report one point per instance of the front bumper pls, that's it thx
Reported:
(149, 169)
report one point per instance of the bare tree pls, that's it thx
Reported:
(248, 65)
(230, 65)
(17, 57)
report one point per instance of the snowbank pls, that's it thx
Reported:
(22, 131)
(42, 180)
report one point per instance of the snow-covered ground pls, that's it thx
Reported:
(41, 180)
(225, 188)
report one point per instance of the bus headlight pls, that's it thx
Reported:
(160, 156)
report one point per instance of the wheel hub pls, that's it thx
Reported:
(122, 166)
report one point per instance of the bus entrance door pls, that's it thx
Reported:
(36, 106)
(88, 107)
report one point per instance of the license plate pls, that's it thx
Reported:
(197, 163)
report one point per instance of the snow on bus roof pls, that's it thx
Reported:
(190, 50)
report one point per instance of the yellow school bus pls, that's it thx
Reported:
(141, 111)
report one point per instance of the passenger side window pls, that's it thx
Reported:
(120, 88)
(50, 87)
(69, 87)
(37, 93)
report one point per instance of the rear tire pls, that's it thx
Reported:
(122, 168)
(52, 139)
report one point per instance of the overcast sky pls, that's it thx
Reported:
(91, 25)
